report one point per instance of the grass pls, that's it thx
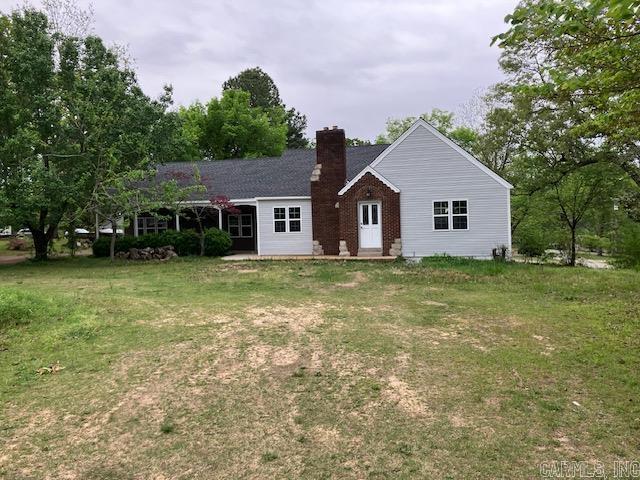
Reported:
(198, 368)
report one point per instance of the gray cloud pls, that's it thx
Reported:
(347, 62)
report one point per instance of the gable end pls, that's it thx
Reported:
(466, 155)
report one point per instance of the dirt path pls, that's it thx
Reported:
(6, 260)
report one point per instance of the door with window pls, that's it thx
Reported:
(369, 218)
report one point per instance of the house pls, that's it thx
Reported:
(422, 195)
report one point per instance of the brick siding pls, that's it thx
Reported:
(369, 188)
(331, 154)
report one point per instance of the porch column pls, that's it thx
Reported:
(177, 222)
(97, 227)
(219, 219)
(135, 224)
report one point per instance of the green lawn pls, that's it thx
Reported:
(199, 368)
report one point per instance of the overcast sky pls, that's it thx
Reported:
(351, 63)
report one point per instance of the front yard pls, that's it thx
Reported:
(199, 368)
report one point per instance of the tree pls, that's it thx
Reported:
(262, 89)
(68, 110)
(581, 56)
(440, 119)
(232, 128)
(356, 142)
(192, 123)
(575, 195)
(265, 94)
(199, 212)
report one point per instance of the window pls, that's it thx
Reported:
(441, 215)
(240, 226)
(454, 218)
(459, 215)
(151, 225)
(280, 219)
(374, 214)
(294, 219)
(287, 219)
(365, 214)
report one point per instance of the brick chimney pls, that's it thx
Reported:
(328, 177)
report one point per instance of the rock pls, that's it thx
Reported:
(148, 253)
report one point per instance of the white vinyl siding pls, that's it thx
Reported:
(273, 242)
(428, 170)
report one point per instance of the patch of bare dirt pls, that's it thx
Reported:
(297, 319)
(399, 393)
(433, 303)
(356, 279)
(457, 421)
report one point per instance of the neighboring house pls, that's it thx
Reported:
(421, 196)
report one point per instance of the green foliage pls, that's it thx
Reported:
(185, 243)
(70, 111)
(627, 245)
(230, 127)
(265, 95)
(594, 243)
(356, 142)
(216, 242)
(580, 58)
(262, 89)
(531, 241)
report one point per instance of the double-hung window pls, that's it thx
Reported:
(450, 215)
(240, 226)
(441, 215)
(149, 224)
(287, 219)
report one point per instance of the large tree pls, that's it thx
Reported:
(231, 128)
(581, 56)
(265, 94)
(69, 113)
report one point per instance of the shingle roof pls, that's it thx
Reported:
(284, 176)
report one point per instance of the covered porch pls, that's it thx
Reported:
(241, 225)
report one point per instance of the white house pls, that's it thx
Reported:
(422, 195)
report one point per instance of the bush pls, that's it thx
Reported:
(217, 242)
(531, 242)
(594, 243)
(627, 246)
(19, 244)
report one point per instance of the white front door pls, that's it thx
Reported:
(369, 218)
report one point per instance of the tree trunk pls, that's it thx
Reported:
(40, 244)
(572, 259)
(201, 232)
(112, 245)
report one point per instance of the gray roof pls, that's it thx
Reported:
(284, 176)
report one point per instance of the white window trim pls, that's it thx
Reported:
(450, 215)
(286, 219)
(240, 225)
(144, 229)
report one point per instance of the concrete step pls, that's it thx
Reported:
(370, 252)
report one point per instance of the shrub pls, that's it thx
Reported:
(217, 242)
(594, 243)
(627, 246)
(20, 244)
(531, 242)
